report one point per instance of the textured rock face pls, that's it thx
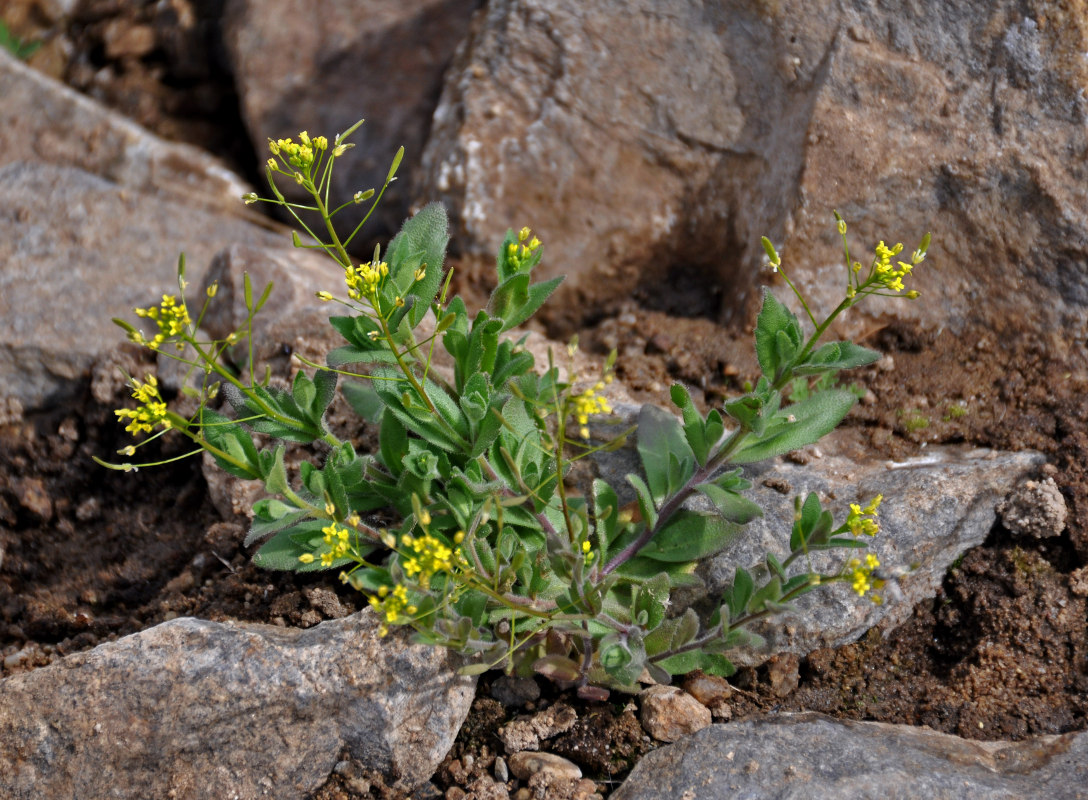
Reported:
(935, 508)
(809, 755)
(82, 250)
(43, 120)
(658, 141)
(322, 69)
(196, 709)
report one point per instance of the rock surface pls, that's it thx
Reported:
(809, 755)
(82, 250)
(42, 120)
(591, 122)
(197, 709)
(935, 508)
(380, 60)
(668, 713)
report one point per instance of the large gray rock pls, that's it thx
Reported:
(79, 251)
(194, 709)
(321, 72)
(796, 756)
(42, 120)
(935, 508)
(655, 142)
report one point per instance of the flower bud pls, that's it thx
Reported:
(249, 198)
(362, 197)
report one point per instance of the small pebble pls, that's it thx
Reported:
(526, 764)
(668, 713)
(502, 774)
(515, 692)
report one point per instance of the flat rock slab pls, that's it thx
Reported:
(79, 251)
(810, 755)
(42, 120)
(935, 508)
(195, 709)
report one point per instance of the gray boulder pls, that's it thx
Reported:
(196, 709)
(655, 142)
(42, 120)
(797, 756)
(296, 69)
(935, 508)
(80, 251)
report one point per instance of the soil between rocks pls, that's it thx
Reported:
(88, 555)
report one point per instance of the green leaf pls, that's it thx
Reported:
(835, 356)
(731, 505)
(645, 500)
(687, 628)
(812, 419)
(660, 439)
(421, 244)
(689, 536)
(710, 663)
(642, 569)
(774, 318)
(363, 400)
(651, 599)
(740, 594)
(606, 508)
(275, 478)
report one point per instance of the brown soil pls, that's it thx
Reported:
(87, 555)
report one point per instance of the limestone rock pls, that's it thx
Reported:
(655, 142)
(197, 709)
(589, 122)
(935, 508)
(1037, 508)
(82, 250)
(296, 69)
(42, 120)
(810, 755)
(668, 713)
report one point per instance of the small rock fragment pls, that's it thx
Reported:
(783, 673)
(526, 764)
(32, 496)
(1036, 508)
(485, 788)
(1078, 582)
(668, 713)
(515, 692)
(525, 733)
(712, 691)
(502, 774)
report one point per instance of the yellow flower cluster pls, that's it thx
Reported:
(298, 154)
(518, 253)
(337, 541)
(888, 276)
(590, 402)
(363, 281)
(856, 520)
(170, 316)
(392, 605)
(150, 412)
(429, 557)
(861, 574)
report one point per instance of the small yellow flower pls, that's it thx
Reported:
(324, 296)
(306, 558)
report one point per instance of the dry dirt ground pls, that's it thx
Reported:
(88, 555)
